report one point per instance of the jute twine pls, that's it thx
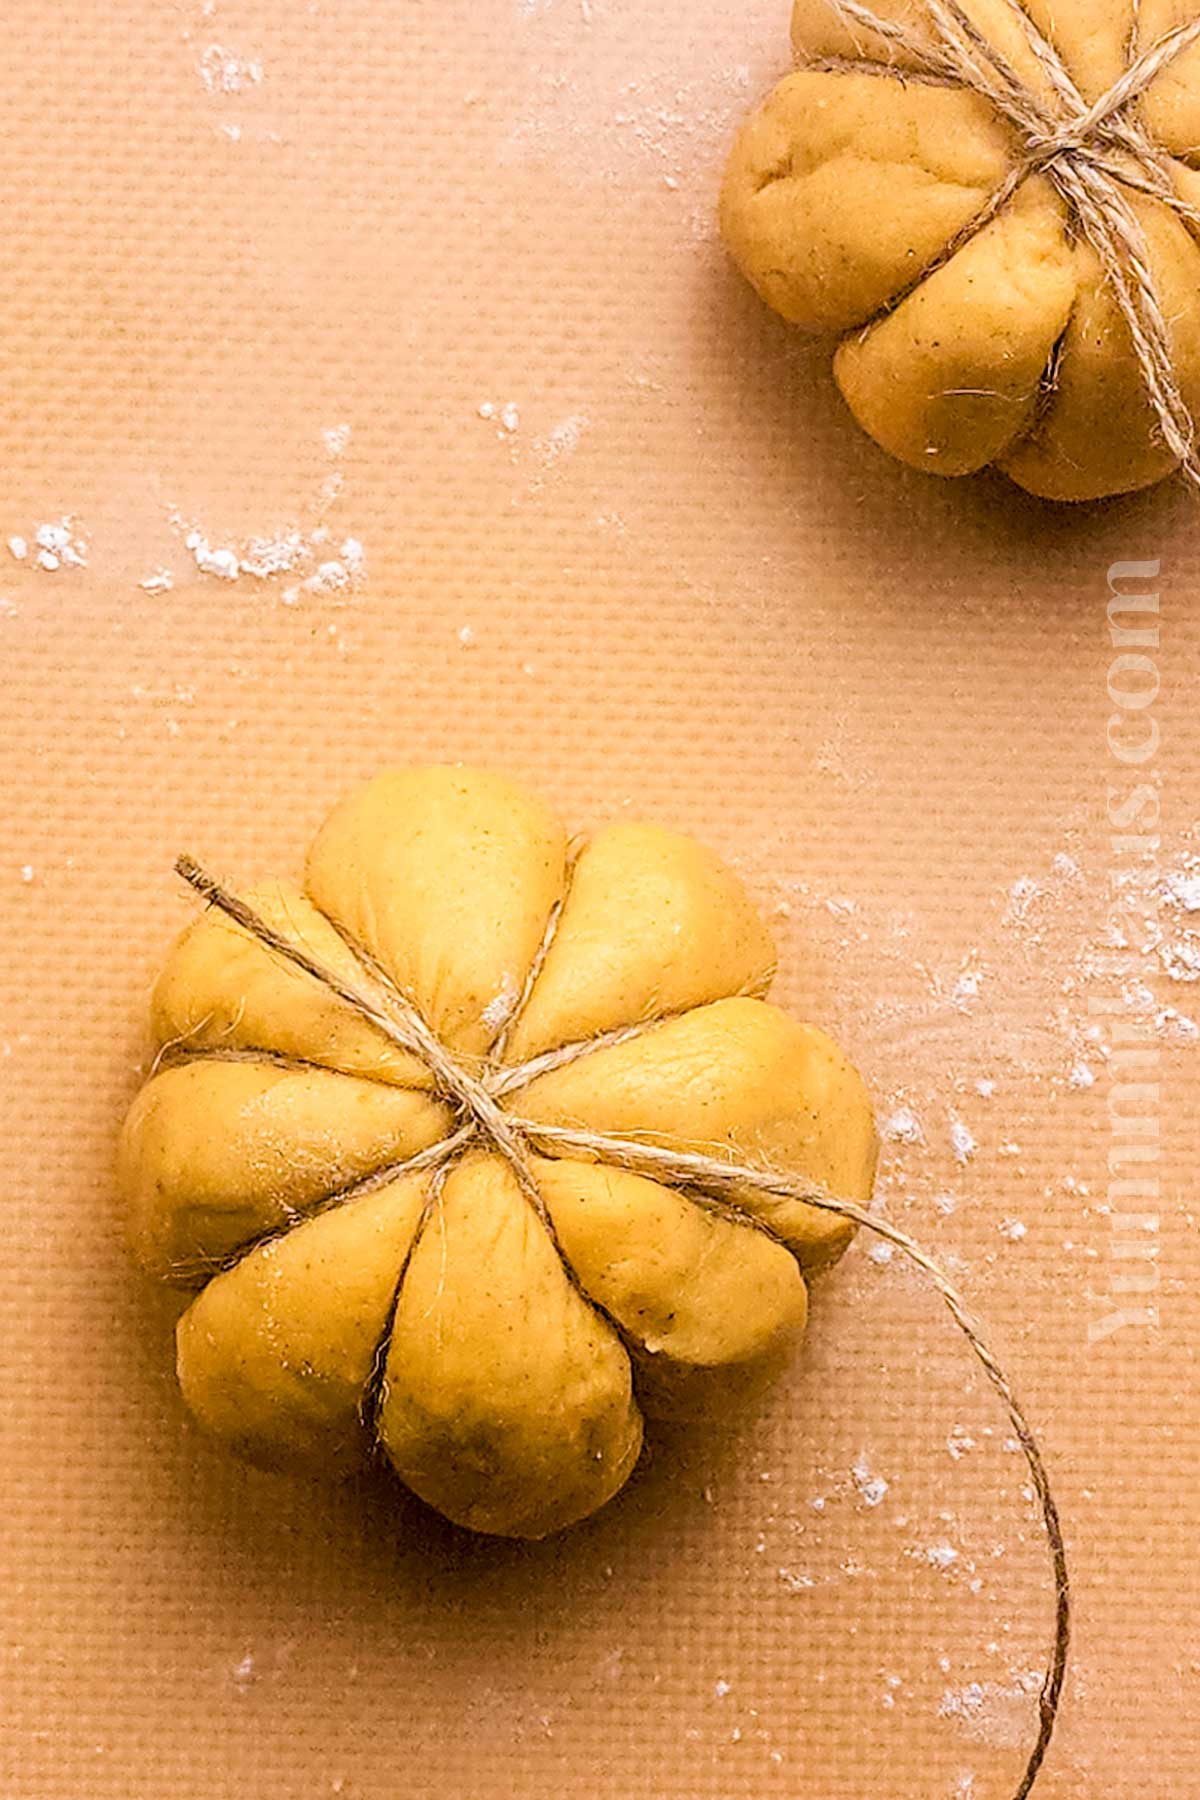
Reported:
(484, 1123)
(1091, 154)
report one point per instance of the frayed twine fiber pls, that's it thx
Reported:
(708, 1180)
(1090, 153)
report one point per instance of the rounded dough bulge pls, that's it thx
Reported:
(507, 1401)
(1097, 434)
(1170, 109)
(275, 1356)
(841, 190)
(708, 1305)
(953, 377)
(214, 1154)
(447, 878)
(742, 1082)
(818, 33)
(221, 989)
(653, 923)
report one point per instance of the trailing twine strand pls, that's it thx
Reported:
(709, 1180)
(1091, 154)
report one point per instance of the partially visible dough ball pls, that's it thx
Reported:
(862, 200)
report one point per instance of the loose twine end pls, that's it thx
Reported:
(712, 1181)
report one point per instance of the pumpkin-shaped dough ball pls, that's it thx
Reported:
(393, 1133)
(874, 196)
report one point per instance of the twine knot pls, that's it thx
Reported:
(1044, 149)
(1092, 153)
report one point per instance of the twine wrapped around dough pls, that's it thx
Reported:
(1089, 153)
(709, 1182)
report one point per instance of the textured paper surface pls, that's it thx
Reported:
(681, 585)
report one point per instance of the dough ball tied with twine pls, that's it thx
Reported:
(996, 204)
(481, 1145)
(452, 1137)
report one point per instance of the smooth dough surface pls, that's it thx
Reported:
(507, 1400)
(448, 879)
(974, 341)
(739, 1080)
(217, 1153)
(707, 1305)
(276, 1353)
(653, 923)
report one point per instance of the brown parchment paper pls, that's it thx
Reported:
(440, 280)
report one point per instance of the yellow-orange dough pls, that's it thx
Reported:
(847, 191)
(348, 1301)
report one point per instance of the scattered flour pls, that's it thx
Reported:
(336, 439)
(56, 550)
(507, 418)
(995, 1712)
(1181, 958)
(335, 574)
(225, 72)
(903, 1127)
(500, 1005)
(324, 563)
(58, 544)
(1021, 895)
(872, 1488)
(966, 988)
(963, 1703)
(264, 557)
(1182, 888)
(287, 553)
(562, 439)
(224, 563)
(1176, 1025)
(961, 1142)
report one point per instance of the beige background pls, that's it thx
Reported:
(682, 585)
